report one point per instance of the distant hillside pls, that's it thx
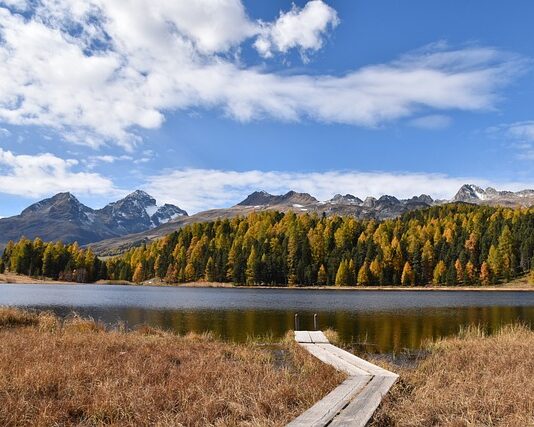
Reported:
(452, 244)
(381, 208)
(448, 244)
(63, 217)
(137, 219)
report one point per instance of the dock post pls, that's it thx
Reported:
(297, 326)
(315, 322)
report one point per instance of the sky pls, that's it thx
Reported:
(201, 102)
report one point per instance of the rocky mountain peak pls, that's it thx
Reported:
(386, 199)
(369, 201)
(346, 199)
(138, 211)
(257, 198)
(469, 193)
(297, 198)
(262, 198)
(423, 198)
(61, 205)
(63, 217)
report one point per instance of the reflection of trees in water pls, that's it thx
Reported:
(381, 331)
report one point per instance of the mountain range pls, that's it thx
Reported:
(137, 218)
(470, 193)
(63, 217)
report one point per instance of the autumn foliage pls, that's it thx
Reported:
(451, 244)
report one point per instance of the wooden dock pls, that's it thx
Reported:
(356, 399)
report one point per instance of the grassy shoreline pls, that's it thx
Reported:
(75, 372)
(466, 380)
(521, 284)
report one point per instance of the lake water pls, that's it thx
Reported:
(383, 321)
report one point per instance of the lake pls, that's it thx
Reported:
(384, 321)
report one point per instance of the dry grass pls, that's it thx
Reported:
(74, 372)
(469, 380)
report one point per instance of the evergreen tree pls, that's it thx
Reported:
(460, 274)
(252, 270)
(342, 275)
(364, 275)
(351, 273)
(209, 274)
(495, 262)
(322, 277)
(439, 276)
(376, 271)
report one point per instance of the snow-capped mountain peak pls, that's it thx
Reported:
(139, 211)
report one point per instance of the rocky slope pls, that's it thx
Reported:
(63, 217)
(470, 193)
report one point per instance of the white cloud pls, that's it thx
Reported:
(44, 174)
(199, 189)
(522, 133)
(92, 161)
(16, 4)
(522, 130)
(129, 62)
(109, 159)
(4, 133)
(431, 122)
(303, 29)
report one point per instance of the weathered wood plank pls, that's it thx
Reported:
(303, 336)
(331, 359)
(357, 361)
(360, 410)
(318, 337)
(320, 414)
(356, 399)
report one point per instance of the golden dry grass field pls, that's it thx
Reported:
(73, 372)
(468, 380)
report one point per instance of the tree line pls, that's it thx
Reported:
(450, 244)
(53, 260)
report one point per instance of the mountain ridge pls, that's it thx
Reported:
(136, 218)
(471, 193)
(371, 208)
(64, 217)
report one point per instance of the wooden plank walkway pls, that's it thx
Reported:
(352, 403)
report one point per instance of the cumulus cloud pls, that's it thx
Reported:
(199, 189)
(98, 70)
(44, 174)
(303, 29)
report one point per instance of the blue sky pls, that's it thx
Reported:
(202, 102)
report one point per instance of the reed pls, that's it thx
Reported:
(473, 379)
(75, 372)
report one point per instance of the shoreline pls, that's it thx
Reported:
(519, 285)
(77, 371)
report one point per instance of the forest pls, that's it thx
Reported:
(53, 260)
(454, 244)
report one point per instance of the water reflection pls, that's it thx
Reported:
(375, 331)
(384, 321)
